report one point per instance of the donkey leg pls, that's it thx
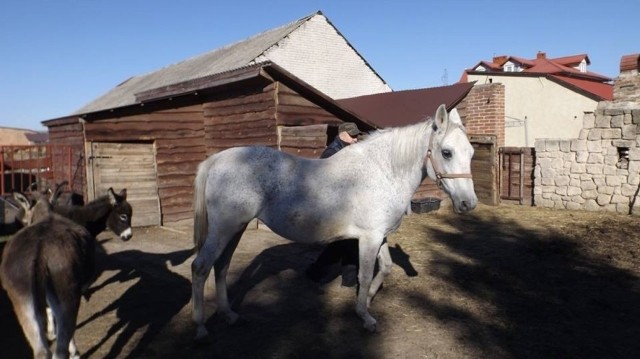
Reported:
(385, 263)
(51, 325)
(221, 267)
(368, 248)
(33, 326)
(65, 311)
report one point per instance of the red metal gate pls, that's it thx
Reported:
(34, 167)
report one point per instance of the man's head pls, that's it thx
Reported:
(350, 128)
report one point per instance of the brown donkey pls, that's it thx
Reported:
(49, 262)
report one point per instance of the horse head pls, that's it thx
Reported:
(119, 220)
(449, 159)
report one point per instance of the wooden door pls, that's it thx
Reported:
(126, 165)
(483, 168)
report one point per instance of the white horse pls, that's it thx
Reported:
(362, 192)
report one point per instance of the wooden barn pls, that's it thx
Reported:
(153, 148)
(289, 88)
(276, 88)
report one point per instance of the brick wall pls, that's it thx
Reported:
(482, 111)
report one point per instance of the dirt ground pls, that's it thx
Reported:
(500, 282)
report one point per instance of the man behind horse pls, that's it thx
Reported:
(344, 252)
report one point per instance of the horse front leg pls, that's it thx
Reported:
(368, 249)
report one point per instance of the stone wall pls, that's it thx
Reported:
(600, 170)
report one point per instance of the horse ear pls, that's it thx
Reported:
(454, 117)
(22, 200)
(442, 118)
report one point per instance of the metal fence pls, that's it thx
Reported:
(29, 168)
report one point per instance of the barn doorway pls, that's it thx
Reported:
(126, 165)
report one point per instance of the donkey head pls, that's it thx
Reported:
(33, 211)
(119, 220)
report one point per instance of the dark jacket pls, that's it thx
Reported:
(334, 147)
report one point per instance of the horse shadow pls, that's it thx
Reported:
(551, 300)
(281, 308)
(145, 305)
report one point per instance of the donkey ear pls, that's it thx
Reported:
(442, 118)
(113, 198)
(22, 200)
(123, 194)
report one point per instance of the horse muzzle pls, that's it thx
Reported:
(465, 205)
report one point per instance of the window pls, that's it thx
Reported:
(509, 67)
(623, 157)
(582, 66)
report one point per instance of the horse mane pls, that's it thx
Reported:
(407, 145)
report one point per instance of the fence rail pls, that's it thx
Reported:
(24, 168)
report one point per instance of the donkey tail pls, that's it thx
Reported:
(200, 223)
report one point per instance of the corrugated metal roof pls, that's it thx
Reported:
(227, 58)
(402, 108)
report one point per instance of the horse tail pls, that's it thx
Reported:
(200, 223)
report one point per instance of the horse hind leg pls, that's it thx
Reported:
(214, 250)
(221, 267)
(385, 262)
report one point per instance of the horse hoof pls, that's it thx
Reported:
(240, 321)
(371, 327)
(202, 337)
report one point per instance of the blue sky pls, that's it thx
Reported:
(57, 55)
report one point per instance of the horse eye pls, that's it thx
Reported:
(123, 217)
(446, 154)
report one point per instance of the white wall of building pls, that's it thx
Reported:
(536, 107)
(317, 54)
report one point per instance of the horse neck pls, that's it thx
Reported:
(405, 148)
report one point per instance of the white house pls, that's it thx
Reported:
(544, 97)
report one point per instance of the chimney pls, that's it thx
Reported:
(541, 55)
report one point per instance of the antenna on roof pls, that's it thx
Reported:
(445, 78)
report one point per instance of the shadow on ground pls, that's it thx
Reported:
(549, 299)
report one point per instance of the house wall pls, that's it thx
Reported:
(538, 108)
(320, 56)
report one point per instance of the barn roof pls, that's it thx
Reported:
(190, 90)
(402, 108)
(233, 56)
(230, 57)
